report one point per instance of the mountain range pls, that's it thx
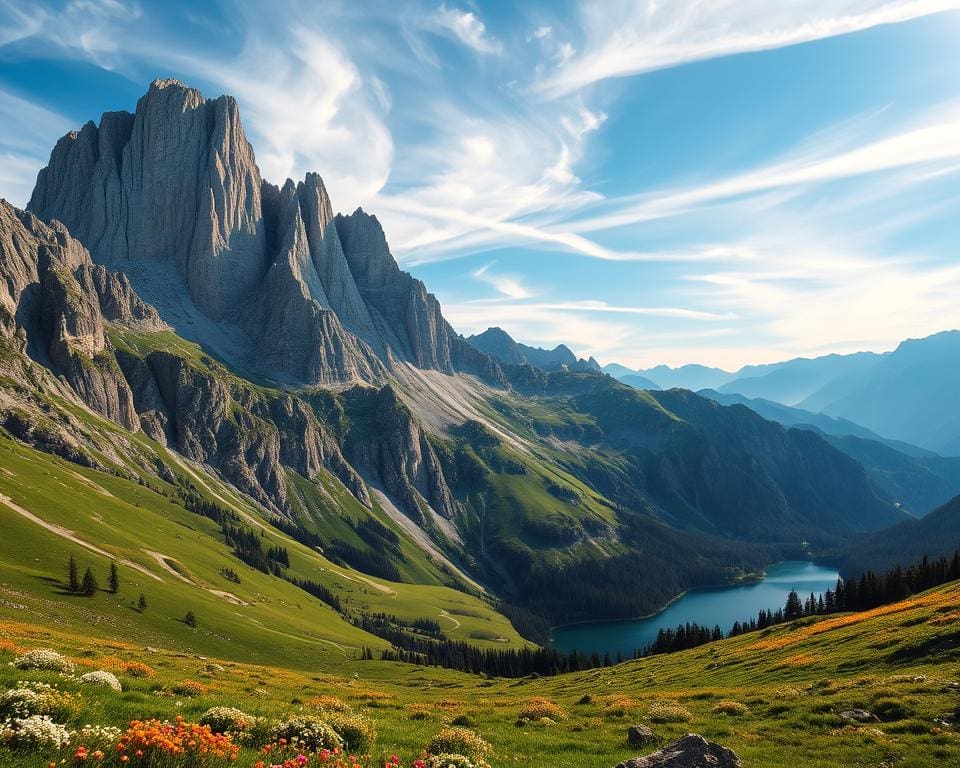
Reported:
(164, 307)
(910, 394)
(497, 343)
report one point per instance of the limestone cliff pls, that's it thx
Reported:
(316, 299)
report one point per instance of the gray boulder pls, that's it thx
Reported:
(641, 736)
(859, 716)
(691, 751)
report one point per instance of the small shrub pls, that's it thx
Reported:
(464, 721)
(226, 720)
(460, 741)
(21, 702)
(44, 659)
(619, 706)
(190, 688)
(890, 710)
(176, 743)
(35, 732)
(102, 679)
(98, 736)
(731, 708)
(585, 699)
(137, 669)
(538, 708)
(668, 712)
(328, 704)
(358, 732)
(420, 711)
(309, 733)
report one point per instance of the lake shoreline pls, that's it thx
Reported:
(753, 578)
(720, 605)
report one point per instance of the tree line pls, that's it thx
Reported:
(862, 593)
(867, 591)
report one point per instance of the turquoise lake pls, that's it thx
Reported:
(707, 607)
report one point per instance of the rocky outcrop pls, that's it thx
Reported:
(405, 315)
(54, 304)
(692, 751)
(251, 438)
(386, 443)
(303, 336)
(318, 299)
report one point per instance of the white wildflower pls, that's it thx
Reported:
(37, 731)
(43, 659)
(102, 678)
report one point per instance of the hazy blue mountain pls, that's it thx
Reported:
(692, 377)
(793, 381)
(918, 483)
(791, 416)
(918, 479)
(911, 394)
(637, 381)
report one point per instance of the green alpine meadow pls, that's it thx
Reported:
(467, 385)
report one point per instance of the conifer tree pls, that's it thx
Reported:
(73, 575)
(89, 584)
(794, 608)
(114, 579)
(142, 603)
(190, 620)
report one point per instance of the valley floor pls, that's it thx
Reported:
(775, 697)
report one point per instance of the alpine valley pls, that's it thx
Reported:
(315, 498)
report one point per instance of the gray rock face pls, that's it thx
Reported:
(53, 305)
(319, 298)
(405, 315)
(692, 751)
(249, 437)
(175, 182)
(388, 445)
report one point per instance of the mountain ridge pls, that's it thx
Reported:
(177, 183)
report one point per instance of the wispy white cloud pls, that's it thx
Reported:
(25, 144)
(307, 106)
(466, 27)
(625, 37)
(933, 138)
(508, 285)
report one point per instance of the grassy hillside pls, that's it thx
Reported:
(50, 509)
(774, 697)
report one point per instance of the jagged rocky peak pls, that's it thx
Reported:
(176, 182)
(318, 297)
(497, 343)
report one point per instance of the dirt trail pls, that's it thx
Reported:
(223, 594)
(162, 562)
(69, 535)
(358, 577)
(446, 615)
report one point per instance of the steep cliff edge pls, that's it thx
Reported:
(315, 299)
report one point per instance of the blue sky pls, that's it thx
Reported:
(723, 182)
